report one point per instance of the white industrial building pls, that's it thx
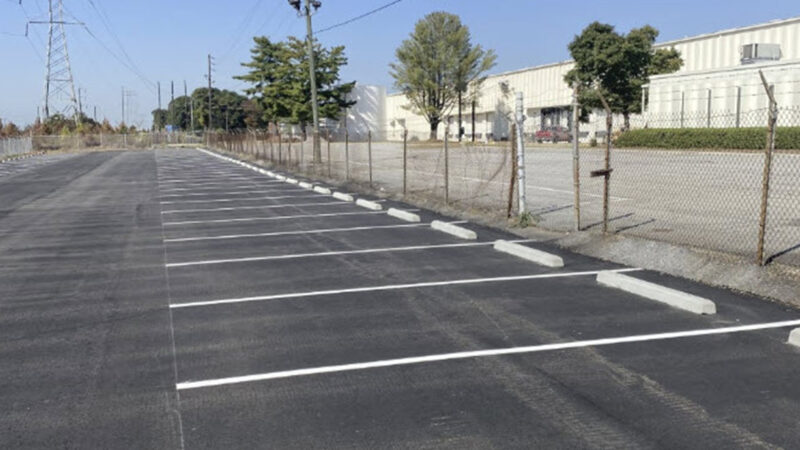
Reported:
(718, 85)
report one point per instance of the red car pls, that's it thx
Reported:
(553, 134)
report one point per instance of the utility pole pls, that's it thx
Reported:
(209, 93)
(312, 70)
(159, 94)
(123, 105)
(80, 103)
(191, 104)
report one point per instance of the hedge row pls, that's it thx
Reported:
(788, 138)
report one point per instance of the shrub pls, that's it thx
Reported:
(787, 138)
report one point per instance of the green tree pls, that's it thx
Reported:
(436, 66)
(179, 113)
(159, 119)
(615, 67)
(226, 109)
(281, 85)
(268, 77)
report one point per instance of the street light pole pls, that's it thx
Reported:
(313, 75)
(312, 70)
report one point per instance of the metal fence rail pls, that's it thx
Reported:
(15, 146)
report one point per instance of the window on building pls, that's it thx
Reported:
(753, 53)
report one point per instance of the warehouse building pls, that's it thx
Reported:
(718, 86)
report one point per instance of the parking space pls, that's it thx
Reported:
(308, 322)
(178, 299)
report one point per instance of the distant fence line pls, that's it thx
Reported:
(15, 146)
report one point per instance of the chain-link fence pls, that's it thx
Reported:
(114, 141)
(711, 184)
(15, 146)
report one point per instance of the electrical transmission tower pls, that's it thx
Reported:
(59, 86)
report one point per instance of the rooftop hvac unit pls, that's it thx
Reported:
(753, 53)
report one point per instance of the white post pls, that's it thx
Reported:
(520, 154)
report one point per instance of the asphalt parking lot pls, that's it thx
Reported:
(175, 299)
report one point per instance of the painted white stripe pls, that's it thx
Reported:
(242, 208)
(251, 191)
(228, 200)
(334, 253)
(296, 232)
(390, 287)
(484, 353)
(216, 184)
(229, 185)
(205, 180)
(257, 219)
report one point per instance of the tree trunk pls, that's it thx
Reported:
(434, 128)
(627, 124)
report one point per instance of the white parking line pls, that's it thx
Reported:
(482, 353)
(243, 208)
(335, 253)
(390, 287)
(229, 185)
(257, 219)
(296, 232)
(251, 191)
(217, 184)
(228, 200)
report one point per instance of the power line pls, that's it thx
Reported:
(149, 84)
(366, 14)
(242, 28)
(106, 21)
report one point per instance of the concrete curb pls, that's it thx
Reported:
(403, 215)
(322, 190)
(794, 337)
(280, 177)
(292, 181)
(343, 197)
(305, 185)
(652, 291)
(530, 254)
(455, 230)
(369, 205)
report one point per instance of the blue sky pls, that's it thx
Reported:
(169, 39)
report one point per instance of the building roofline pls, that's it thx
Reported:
(671, 43)
(728, 31)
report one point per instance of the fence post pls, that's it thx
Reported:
(606, 172)
(738, 106)
(683, 106)
(369, 154)
(520, 117)
(772, 125)
(576, 164)
(280, 157)
(328, 145)
(446, 165)
(513, 181)
(708, 110)
(405, 162)
(346, 155)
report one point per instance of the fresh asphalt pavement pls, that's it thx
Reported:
(172, 299)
